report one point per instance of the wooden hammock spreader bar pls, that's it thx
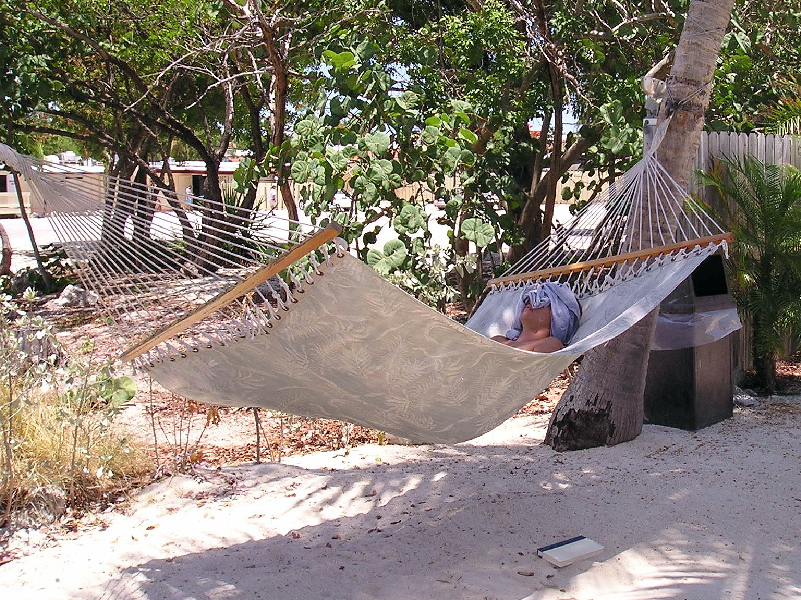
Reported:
(263, 274)
(610, 260)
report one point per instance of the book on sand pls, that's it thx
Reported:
(569, 551)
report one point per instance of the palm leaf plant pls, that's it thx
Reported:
(762, 208)
(785, 117)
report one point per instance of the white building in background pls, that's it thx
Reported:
(9, 195)
(9, 199)
(190, 176)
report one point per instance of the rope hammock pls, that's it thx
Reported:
(250, 309)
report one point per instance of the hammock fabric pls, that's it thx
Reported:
(253, 310)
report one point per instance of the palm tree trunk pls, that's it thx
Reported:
(592, 413)
(764, 355)
(608, 389)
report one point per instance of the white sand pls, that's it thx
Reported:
(713, 514)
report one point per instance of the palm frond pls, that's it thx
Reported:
(785, 117)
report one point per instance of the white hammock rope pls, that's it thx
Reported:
(641, 237)
(152, 277)
(637, 223)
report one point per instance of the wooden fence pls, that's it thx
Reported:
(777, 149)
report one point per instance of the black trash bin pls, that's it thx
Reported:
(691, 387)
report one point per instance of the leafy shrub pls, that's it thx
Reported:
(762, 208)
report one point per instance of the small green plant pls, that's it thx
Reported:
(57, 423)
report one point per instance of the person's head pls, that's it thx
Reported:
(535, 318)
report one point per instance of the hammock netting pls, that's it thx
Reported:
(247, 308)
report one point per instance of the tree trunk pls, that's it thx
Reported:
(46, 278)
(764, 358)
(604, 403)
(531, 219)
(556, 155)
(592, 413)
(5, 262)
(279, 89)
(144, 212)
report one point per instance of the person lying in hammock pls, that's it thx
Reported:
(547, 317)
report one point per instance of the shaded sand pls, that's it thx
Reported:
(713, 514)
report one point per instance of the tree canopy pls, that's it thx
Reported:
(758, 67)
(371, 97)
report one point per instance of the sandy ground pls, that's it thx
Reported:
(713, 514)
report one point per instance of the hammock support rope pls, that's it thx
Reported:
(643, 221)
(610, 261)
(175, 274)
(243, 287)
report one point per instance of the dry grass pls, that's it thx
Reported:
(59, 449)
(84, 455)
(58, 460)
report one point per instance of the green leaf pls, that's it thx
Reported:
(341, 61)
(477, 231)
(301, 171)
(612, 113)
(461, 106)
(378, 143)
(376, 175)
(384, 81)
(408, 100)
(338, 160)
(307, 127)
(336, 108)
(245, 175)
(466, 157)
(123, 389)
(468, 136)
(453, 207)
(369, 196)
(366, 49)
(384, 165)
(409, 220)
(430, 135)
(452, 158)
(393, 257)
(321, 174)
(370, 237)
